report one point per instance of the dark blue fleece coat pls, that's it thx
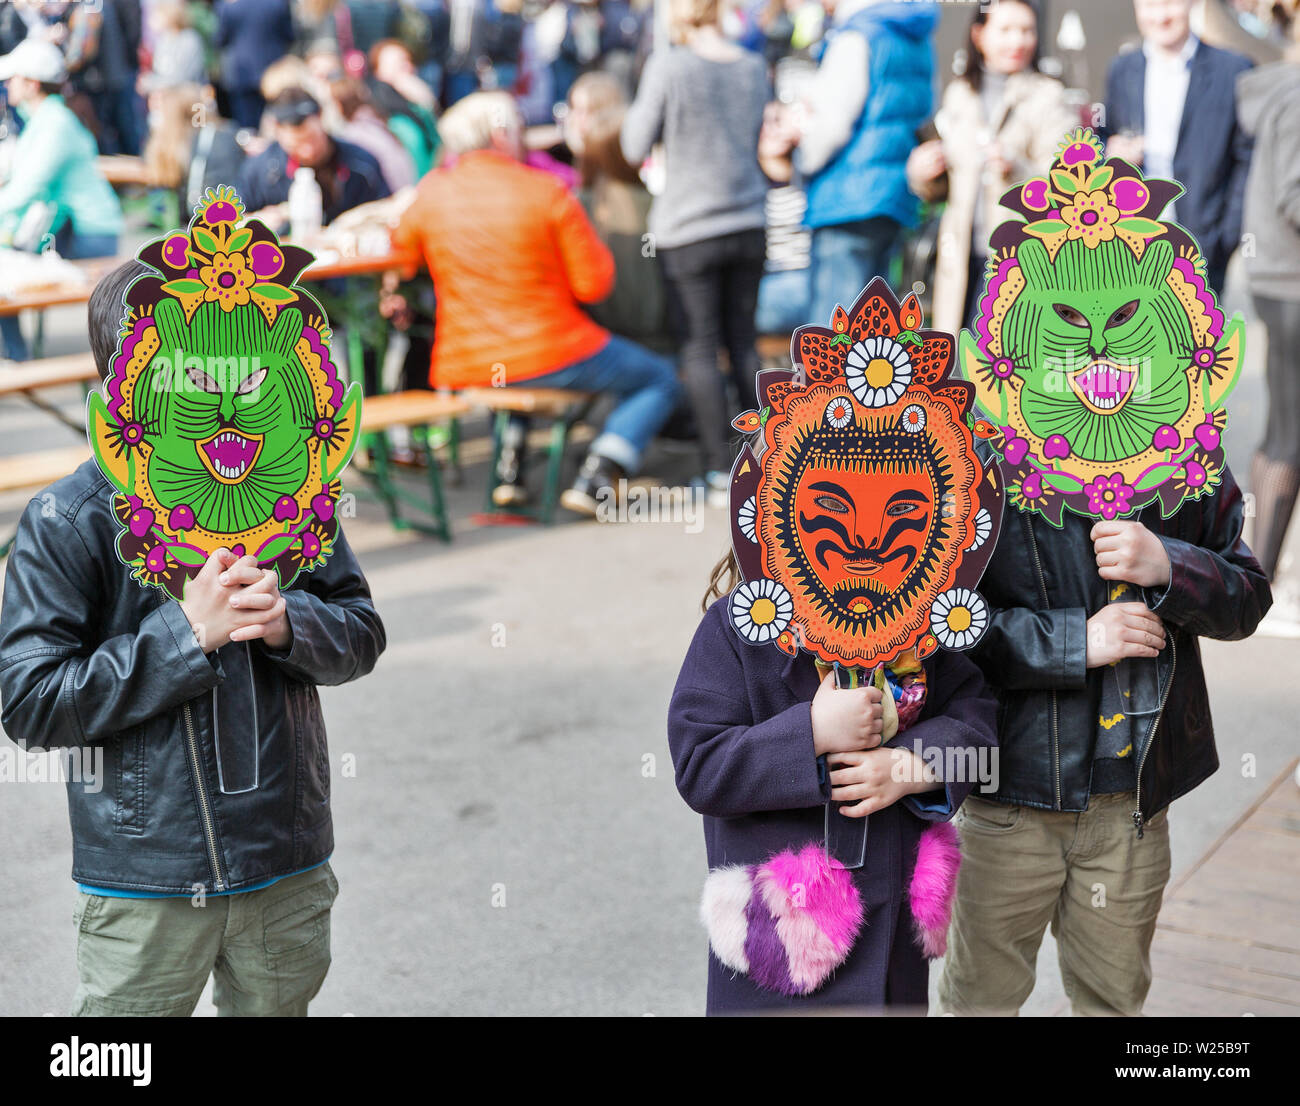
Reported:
(740, 730)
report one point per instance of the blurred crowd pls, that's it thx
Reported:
(620, 198)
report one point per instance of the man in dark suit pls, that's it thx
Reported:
(1170, 108)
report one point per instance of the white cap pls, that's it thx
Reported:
(35, 59)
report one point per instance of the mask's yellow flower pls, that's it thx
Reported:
(228, 280)
(1091, 216)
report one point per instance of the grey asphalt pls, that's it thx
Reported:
(511, 840)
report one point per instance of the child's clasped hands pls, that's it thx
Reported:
(231, 599)
(848, 726)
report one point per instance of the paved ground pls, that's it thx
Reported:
(512, 841)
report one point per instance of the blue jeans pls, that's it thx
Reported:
(71, 247)
(845, 258)
(645, 383)
(783, 302)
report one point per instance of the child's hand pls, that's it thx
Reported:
(1121, 630)
(206, 603)
(846, 719)
(1129, 551)
(256, 603)
(877, 778)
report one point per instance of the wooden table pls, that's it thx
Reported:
(120, 169)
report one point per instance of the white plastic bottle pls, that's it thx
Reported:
(306, 206)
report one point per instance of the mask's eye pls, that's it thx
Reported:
(201, 380)
(252, 383)
(1123, 314)
(899, 509)
(830, 503)
(1070, 314)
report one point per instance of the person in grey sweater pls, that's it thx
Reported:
(703, 100)
(1268, 107)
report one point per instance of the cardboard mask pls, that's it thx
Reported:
(224, 422)
(862, 517)
(1100, 355)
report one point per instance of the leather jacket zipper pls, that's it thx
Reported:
(1056, 742)
(1138, 820)
(205, 809)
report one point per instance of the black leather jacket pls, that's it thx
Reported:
(215, 771)
(1042, 585)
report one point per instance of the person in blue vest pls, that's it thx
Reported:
(873, 90)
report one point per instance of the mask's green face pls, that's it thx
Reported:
(1101, 343)
(229, 433)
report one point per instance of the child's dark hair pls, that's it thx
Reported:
(724, 577)
(105, 310)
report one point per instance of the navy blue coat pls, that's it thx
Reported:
(1213, 153)
(740, 730)
(251, 34)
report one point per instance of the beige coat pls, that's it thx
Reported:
(1031, 122)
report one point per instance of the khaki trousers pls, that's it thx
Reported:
(1087, 874)
(267, 950)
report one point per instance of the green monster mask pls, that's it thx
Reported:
(1099, 354)
(224, 422)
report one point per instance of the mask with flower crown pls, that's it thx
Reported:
(862, 516)
(1100, 356)
(224, 422)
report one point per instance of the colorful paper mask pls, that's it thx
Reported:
(1100, 355)
(862, 516)
(224, 422)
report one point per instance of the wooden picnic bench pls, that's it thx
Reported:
(561, 406)
(418, 410)
(27, 378)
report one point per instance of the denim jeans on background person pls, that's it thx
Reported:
(645, 383)
(71, 247)
(712, 288)
(784, 301)
(845, 258)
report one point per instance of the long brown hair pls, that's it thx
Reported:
(724, 577)
(167, 153)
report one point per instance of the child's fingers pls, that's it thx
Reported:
(242, 572)
(247, 599)
(260, 617)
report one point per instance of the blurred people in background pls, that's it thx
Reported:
(190, 148)
(618, 205)
(512, 256)
(101, 51)
(1001, 122)
(1268, 107)
(251, 34)
(363, 126)
(1170, 110)
(405, 101)
(55, 192)
(322, 25)
(484, 44)
(347, 175)
(178, 55)
(872, 92)
(703, 98)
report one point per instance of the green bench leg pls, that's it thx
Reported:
(380, 475)
(554, 469)
(437, 502)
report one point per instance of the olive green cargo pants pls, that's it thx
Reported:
(1087, 874)
(268, 950)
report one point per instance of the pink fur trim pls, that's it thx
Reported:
(727, 892)
(816, 908)
(934, 886)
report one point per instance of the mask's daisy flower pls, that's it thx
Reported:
(760, 610)
(959, 618)
(983, 529)
(1091, 217)
(839, 413)
(878, 371)
(747, 519)
(912, 420)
